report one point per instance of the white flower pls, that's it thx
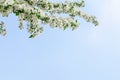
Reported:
(33, 11)
(8, 2)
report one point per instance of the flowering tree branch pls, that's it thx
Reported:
(35, 12)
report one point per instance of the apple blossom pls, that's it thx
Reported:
(36, 12)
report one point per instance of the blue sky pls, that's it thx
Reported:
(88, 53)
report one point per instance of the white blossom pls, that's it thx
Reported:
(2, 29)
(8, 2)
(35, 11)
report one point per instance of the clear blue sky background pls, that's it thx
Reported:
(88, 53)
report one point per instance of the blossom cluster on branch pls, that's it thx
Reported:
(36, 12)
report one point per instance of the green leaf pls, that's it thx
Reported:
(17, 13)
(31, 36)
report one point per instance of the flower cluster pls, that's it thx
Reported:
(2, 29)
(35, 12)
